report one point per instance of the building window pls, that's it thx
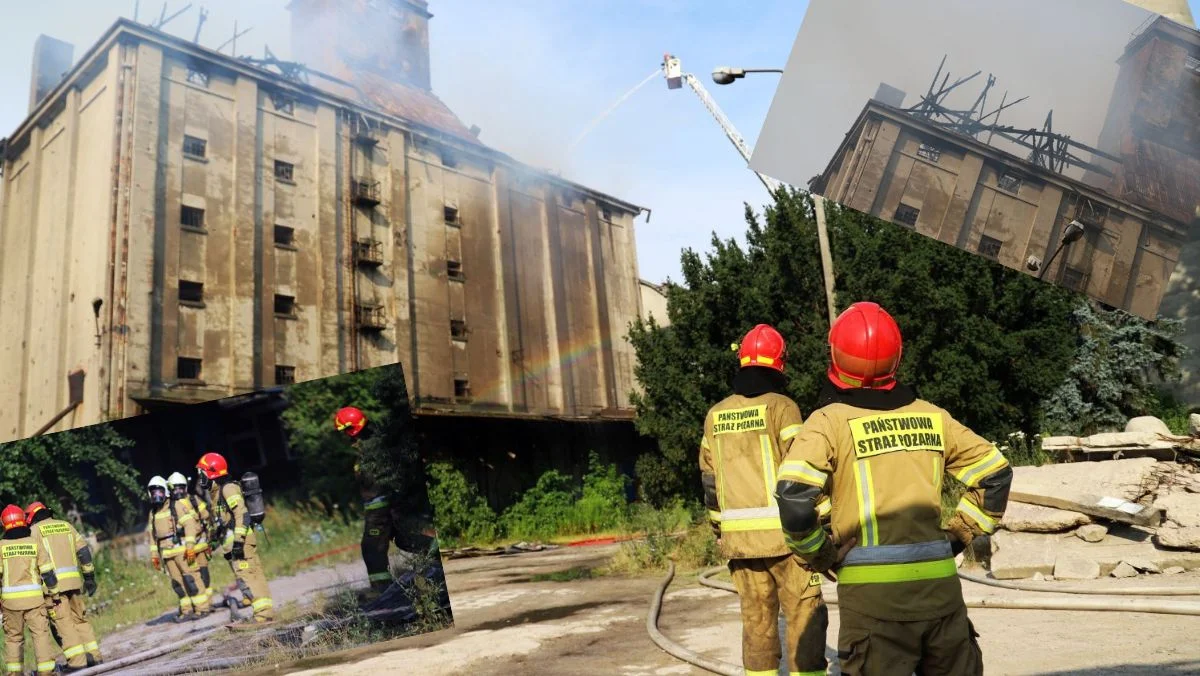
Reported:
(458, 329)
(449, 160)
(931, 153)
(605, 214)
(285, 171)
(451, 215)
(285, 375)
(197, 77)
(187, 368)
(989, 247)
(1074, 279)
(462, 388)
(191, 293)
(454, 270)
(1009, 182)
(191, 217)
(907, 215)
(195, 147)
(284, 104)
(1193, 64)
(285, 306)
(285, 236)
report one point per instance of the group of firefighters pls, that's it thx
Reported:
(46, 567)
(853, 494)
(184, 529)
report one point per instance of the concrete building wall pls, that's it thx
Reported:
(500, 289)
(957, 191)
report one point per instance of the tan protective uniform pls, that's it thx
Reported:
(251, 579)
(745, 439)
(901, 604)
(199, 511)
(22, 596)
(166, 523)
(65, 603)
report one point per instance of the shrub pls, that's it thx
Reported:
(459, 512)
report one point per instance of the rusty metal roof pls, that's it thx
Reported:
(409, 103)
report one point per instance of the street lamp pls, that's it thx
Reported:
(726, 75)
(1073, 233)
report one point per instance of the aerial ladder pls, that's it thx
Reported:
(676, 78)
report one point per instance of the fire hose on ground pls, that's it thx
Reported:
(1124, 605)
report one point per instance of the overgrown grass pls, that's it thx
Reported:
(131, 592)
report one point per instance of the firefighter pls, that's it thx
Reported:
(72, 560)
(197, 509)
(27, 575)
(383, 519)
(881, 453)
(235, 530)
(172, 544)
(745, 438)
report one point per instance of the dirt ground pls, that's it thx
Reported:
(505, 623)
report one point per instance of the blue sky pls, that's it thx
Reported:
(532, 74)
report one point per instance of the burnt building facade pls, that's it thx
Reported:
(184, 226)
(955, 188)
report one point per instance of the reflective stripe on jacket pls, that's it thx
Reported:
(744, 440)
(884, 470)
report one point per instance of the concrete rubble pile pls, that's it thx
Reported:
(1121, 517)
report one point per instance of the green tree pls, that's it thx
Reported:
(1119, 363)
(986, 342)
(326, 457)
(63, 469)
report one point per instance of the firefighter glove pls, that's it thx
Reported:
(156, 562)
(190, 555)
(89, 583)
(960, 533)
(238, 551)
(50, 579)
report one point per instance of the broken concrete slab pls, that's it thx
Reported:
(1117, 478)
(1123, 569)
(1182, 509)
(1072, 566)
(1194, 424)
(1092, 533)
(1144, 566)
(1173, 570)
(1147, 423)
(1099, 506)
(1037, 519)
(1022, 555)
(1178, 538)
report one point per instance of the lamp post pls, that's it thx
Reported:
(726, 75)
(1073, 233)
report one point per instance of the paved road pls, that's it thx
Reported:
(505, 623)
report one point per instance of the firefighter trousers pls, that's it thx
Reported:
(68, 614)
(202, 559)
(44, 650)
(185, 580)
(945, 646)
(252, 581)
(767, 586)
(383, 526)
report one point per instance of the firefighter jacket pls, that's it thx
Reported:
(68, 551)
(744, 440)
(199, 509)
(882, 456)
(170, 534)
(232, 517)
(372, 495)
(23, 563)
